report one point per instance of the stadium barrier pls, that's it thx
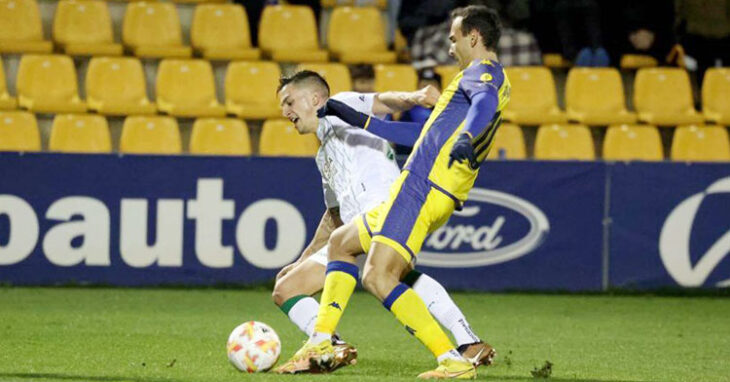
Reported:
(188, 220)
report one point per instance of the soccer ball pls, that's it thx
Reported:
(253, 347)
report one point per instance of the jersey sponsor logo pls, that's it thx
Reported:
(514, 227)
(684, 222)
(486, 77)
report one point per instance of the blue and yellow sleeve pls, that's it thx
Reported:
(482, 77)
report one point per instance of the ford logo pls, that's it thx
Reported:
(494, 227)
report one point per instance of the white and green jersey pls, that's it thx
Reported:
(357, 167)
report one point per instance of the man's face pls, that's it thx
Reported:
(299, 104)
(460, 45)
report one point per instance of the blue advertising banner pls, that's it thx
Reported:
(149, 220)
(527, 225)
(670, 225)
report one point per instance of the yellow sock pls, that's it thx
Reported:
(338, 287)
(410, 310)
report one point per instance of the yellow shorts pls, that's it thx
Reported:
(414, 209)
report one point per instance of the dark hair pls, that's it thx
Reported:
(484, 20)
(304, 76)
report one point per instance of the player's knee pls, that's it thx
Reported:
(337, 245)
(377, 281)
(281, 292)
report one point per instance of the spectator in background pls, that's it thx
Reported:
(705, 32)
(363, 78)
(578, 28)
(416, 14)
(639, 27)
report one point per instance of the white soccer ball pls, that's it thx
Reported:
(253, 347)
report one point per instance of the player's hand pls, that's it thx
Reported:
(427, 96)
(340, 110)
(462, 150)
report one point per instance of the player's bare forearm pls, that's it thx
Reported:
(393, 102)
(329, 222)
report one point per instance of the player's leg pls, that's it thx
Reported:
(448, 314)
(292, 292)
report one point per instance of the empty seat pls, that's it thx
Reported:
(280, 138)
(80, 133)
(637, 61)
(337, 75)
(633, 142)
(221, 32)
(84, 27)
(150, 135)
(716, 95)
(447, 73)
(564, 142)
(533, 98)
(6, 101)
(153, 30)
(357, 36)
(19, 131)
(47, 84)
(395, 78)
(382, 4)
(595, 96)
(509, 143)
(220, 136)
(288, 33)
(663, 96)
(21, 30)
(186, 88)
(555, 60)
(700, 143)
(251, 89)
(116, 86)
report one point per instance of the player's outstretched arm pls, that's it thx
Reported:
(402, 133)
(478, 121)
(394, 102)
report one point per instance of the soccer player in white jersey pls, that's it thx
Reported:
(357, 170)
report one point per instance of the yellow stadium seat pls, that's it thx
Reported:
(533, 100)
(564, 142)
(637, 61)
(280, 138)
(19, 131)
(555, 60)
(663, 97)
(357, 36)
(186, 88)
(80, 133)
(153, 30)
(447, 73)
(509, 143)
(288, 33)
(150, 135)
(7, 102)
(382, 4)
(633, 142)
(221, 32)
(716, 95)
(84, 28)
(220, 136)
(47, 84)
(337, 75)
(395, 78)
(701, 143)
(251, 89)
(21, 30)
(595, 96)
(116, 86)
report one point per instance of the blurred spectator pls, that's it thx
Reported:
(705, 29)
(363, 78)
(577, 24)
(415, 14)
(640, 27)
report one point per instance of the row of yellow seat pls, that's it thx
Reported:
(184, 87)
(288, 33)
(595, 96)
(226, 136)
(622, 142)
(85, 133)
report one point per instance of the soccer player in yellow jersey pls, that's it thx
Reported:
(434, 182)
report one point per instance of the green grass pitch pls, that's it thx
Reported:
(157, 335)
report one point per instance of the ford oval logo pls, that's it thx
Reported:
(494, 227)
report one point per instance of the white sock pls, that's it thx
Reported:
(444, 309)
(318, 337)
(304, 314)
(451, 354)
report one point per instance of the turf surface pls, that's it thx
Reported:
(156, 335)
